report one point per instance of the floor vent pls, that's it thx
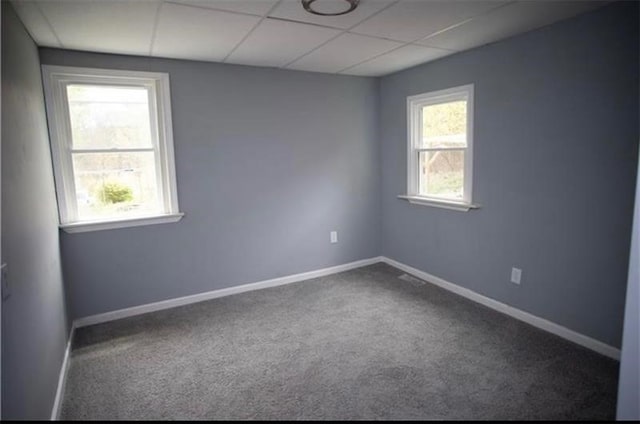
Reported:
(413, 280)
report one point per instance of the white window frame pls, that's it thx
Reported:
(56, 79)
(415, 105)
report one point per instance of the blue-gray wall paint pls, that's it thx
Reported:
(556, 136)
(268, 163)
(629, 389)
(34, 323)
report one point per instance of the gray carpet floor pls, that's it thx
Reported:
(362, 344)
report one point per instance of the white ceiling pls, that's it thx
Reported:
(379, 37)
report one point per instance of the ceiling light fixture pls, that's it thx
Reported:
(332, 7)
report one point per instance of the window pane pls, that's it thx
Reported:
(110, 185)
(109, 117)
(442, 174)
(445, 125)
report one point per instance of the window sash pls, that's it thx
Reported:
(151, 102)
(159, 176)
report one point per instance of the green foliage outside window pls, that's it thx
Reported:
(113, 192)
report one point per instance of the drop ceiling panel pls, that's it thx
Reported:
(239, 31)
(342, 52)
(395, 60)
(36, 24)
(252, 7)
(105, 26)
(276, 43)
(293, 10)
(507, 21)
(410, 20)
(187, 32)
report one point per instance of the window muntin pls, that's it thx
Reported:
(111, 143)
(440, 145)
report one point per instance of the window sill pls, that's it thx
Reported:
(425, 201)
(81, 227)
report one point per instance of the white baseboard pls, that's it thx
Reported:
(538, 322)
(62, 378)
(518, 314)
(186, 300)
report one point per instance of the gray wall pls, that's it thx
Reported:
(268, 163)
(34, 324)
(556, 136)
(629, 390)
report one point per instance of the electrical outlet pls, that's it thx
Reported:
(6, 288)
(334, 237)
(516, 274)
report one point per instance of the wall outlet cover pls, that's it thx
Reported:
(516, 275)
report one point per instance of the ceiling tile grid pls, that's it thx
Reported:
(250, 7)
(343, 52)
(512, 19)
(379, 37)
(37, 25)
(396, 60)
(276, 43)
(411, 20)
(187, 32)
(121, 26)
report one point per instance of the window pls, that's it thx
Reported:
(440, 148)
(112, 147)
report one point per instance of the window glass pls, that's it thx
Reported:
(442, 173)
(106, 117)
(444, 125)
